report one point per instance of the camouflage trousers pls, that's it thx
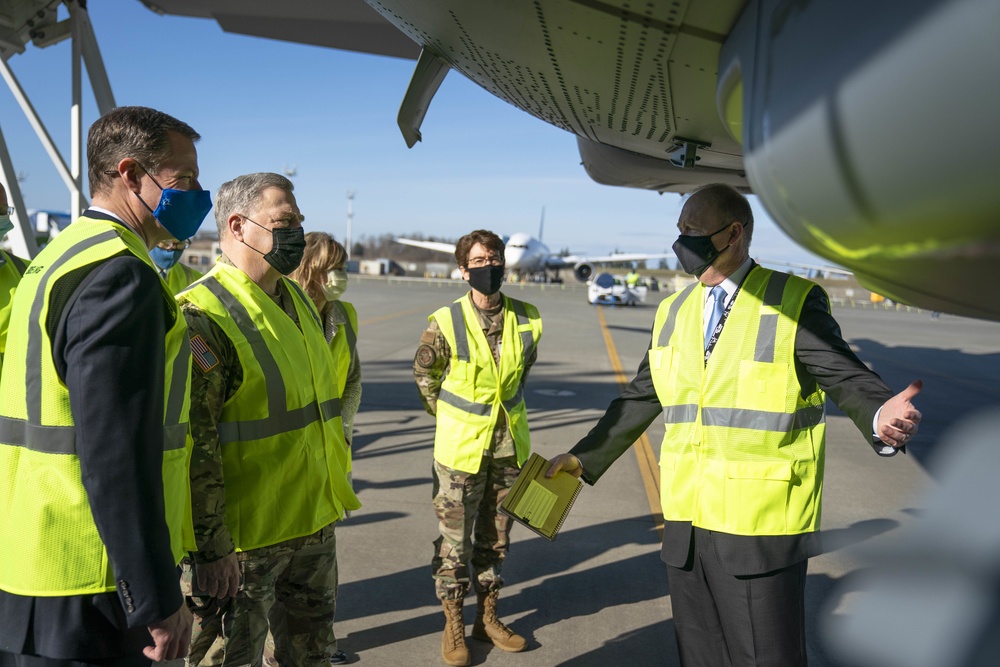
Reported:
(473, 531)
(288, 588)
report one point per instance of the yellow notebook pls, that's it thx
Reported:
(539, 502)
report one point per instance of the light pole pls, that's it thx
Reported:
(350, 220)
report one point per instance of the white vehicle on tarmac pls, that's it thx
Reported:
(611, 290)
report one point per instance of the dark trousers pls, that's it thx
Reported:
(15, 660)
(721, 619)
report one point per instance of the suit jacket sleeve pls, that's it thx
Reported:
(109, 349)
(625, 420)
(823, 357)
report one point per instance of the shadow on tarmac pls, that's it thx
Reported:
(565, 590)
(956, 384)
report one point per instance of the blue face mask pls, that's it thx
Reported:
(164, 258)
(5, 225)
(181, 212)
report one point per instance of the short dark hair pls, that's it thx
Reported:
(726, 204)
(136, 132)
(488, 239)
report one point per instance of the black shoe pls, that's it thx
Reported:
(339, 658)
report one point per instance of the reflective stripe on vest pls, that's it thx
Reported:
(668, 327)
(31, 433)
(461, 335)
(480, 409)
(757, 420)
(280, 419)
(349, 332)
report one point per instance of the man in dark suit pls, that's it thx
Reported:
(739, 367)
(94, 500)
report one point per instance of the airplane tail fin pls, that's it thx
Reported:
(541, 225)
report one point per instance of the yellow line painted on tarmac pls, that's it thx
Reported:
(648, 467)
(391, 316)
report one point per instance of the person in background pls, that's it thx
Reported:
(632, 278)
(269, 466)
(470, 369)
(167, 257)
(94, 495)
(323, 277)
(739, 368)
(11, 270)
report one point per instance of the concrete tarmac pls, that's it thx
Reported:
(598, 595)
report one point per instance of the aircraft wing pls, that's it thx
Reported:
(811, 268)
(430, 245)
(560, 262)
(345, 24)
(867, 129)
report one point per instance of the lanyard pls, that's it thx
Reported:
(722, 321)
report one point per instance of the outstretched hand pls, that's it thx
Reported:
(899, 420)
(566, 463)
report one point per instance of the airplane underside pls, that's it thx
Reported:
(867, 129)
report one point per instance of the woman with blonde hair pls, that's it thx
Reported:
(323, 277)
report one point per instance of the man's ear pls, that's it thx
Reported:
(737, 234)
(131, 173)
(235, 223)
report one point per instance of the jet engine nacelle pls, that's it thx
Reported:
(583, 271)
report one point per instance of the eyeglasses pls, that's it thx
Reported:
(9, 210)
(479, 262)
(176, 245)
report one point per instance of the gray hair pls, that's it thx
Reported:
(242, 195)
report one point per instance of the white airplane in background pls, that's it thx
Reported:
(528, 256)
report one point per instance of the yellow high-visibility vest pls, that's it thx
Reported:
(345, 342)
(284, 455)
(475, 389)
(50, 545)
(180, 276)
(743, 450)
(11, 268)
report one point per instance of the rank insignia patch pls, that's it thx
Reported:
(202, 354)
(426, 356)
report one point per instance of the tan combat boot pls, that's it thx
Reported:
(489, 628)
(453, 648)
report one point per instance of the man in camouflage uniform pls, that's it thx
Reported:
(268, 470)
(470, 369)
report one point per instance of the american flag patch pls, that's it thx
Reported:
(203, 355)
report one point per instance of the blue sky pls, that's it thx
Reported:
(264, 105)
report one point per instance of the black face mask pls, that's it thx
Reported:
(486, 279)
(696, 253)
(288, 244)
